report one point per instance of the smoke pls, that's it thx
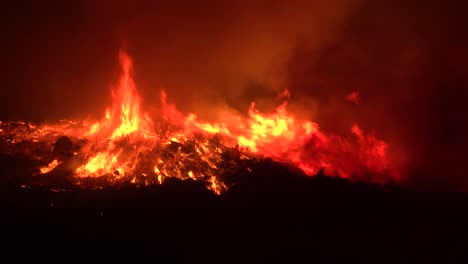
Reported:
(217, 53)
(209, 51)
(406, 61)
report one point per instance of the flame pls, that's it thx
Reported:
(125, 117)
(128, 145)
(52, 165)
(123, 120)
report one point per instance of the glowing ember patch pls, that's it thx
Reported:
(52, 165)
(354, 97)
(215, 186)
(357, 130)
(160, 179)
(310, 128)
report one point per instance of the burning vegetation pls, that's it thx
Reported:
(129, 146)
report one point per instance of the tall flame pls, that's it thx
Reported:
(123, 120)
(125, 117)
(128, 144)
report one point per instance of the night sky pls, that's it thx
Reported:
(407, 59)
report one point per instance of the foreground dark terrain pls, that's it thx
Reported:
(271, 214)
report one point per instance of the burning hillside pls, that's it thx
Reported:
(130, 146)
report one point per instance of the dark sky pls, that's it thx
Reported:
(406, 58)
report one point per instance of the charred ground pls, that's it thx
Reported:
(273, 212)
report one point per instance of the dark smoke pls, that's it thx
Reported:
(406, 60)
(65, 54)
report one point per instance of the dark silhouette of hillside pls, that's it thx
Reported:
(275, 213)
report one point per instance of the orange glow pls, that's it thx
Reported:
(52, 165)
(354, 97)
(128, 145)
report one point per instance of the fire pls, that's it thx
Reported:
(274, 133)
(128, 145)
(49, 167)
(125, 117)
(100, 164)
(354, 97)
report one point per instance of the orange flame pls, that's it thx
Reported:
(128, 144)
(123, 120)
(52, 165)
